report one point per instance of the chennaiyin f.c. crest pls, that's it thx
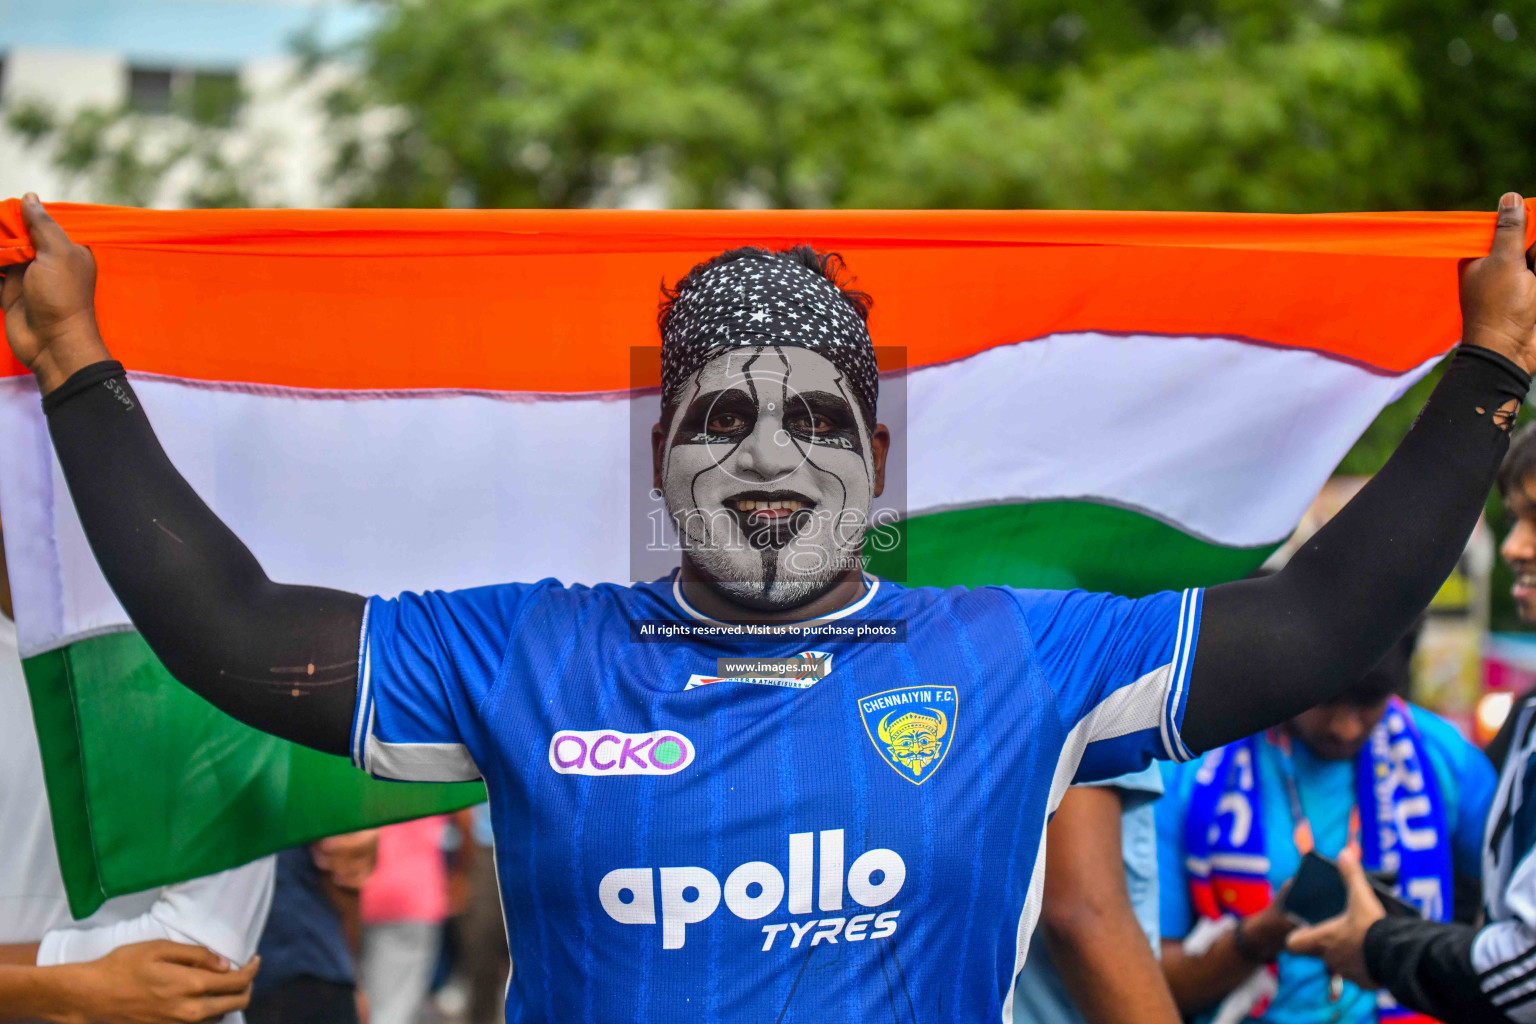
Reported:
(912, 728)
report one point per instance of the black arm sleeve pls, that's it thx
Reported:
(282, 659)
(1271, 648)
(1427, 966)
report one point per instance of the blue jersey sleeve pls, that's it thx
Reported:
(428, 662)
(1175, 914)
(1119, 669)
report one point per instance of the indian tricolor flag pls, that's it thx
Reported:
(385, 400)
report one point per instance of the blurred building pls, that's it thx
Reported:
(232, 62)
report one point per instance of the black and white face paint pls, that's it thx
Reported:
(768, 474)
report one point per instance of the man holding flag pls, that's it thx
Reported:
(875, 837)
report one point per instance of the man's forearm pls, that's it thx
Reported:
(1088, 921)
(23, 954)
(348, 905)
(1456, 973)
(280, 658)
(1200, 981)
(40, 993)
(1271, 648)
(1427, 966)
(1111, 974)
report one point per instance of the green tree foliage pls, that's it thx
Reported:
(1272, 105)
(884, 103)
(1302, 125)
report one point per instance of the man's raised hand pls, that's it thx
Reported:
(50, 303)
(1498, 291)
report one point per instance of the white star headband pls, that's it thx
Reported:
(765, 299)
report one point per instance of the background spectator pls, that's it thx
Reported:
(1267, 800)
(312, 934)
(1098, 958)
(487, 961)
(404, 904)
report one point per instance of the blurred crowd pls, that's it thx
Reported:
(391, 926)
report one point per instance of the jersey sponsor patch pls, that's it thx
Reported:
(912, 728)
(608, 752)
(804, 682)
(757, 889)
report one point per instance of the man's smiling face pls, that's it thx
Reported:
(768, 470)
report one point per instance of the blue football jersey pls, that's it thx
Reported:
(867, 846)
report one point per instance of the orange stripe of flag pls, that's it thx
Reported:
(553, 301)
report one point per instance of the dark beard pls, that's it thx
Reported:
(730, 590)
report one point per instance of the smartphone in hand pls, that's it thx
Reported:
(1318, 893)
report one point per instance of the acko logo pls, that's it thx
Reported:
(757, 889)
(606, 752)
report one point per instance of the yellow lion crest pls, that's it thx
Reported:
(914, 739)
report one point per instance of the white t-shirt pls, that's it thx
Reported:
(31, 891)
(225, 912)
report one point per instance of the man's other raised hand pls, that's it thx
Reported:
(50, 303)
(1498, 291)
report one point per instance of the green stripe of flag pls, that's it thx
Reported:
(149, 784)
(1058, 545)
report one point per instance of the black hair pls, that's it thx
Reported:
(1519, 463)
(829, 265)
